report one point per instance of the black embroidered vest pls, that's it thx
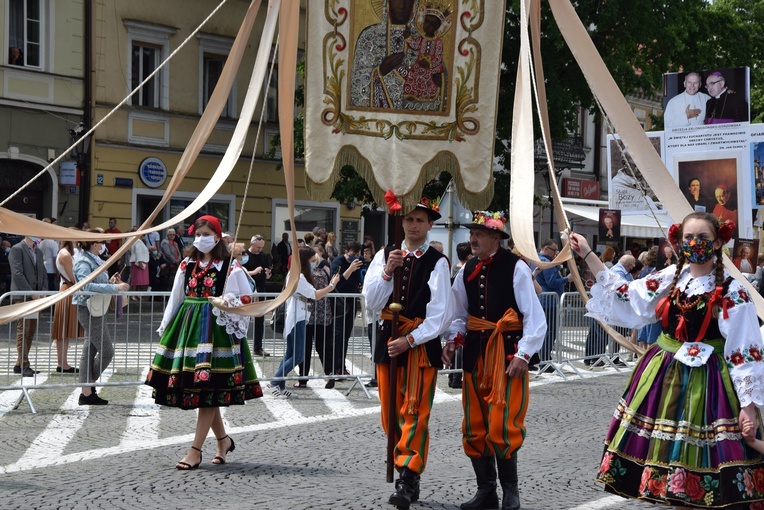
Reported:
(200, 289)
(489, 295)
(415, 295)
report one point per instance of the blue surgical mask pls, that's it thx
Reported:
(244, 259)
(313, 265)
(7, 251)
(351, 258)
(34, 239)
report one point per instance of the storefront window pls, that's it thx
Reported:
(307, 216)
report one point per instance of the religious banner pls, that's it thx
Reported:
(402, 90)
(610, 225)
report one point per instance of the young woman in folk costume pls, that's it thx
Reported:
(675, 437)
(203, 359)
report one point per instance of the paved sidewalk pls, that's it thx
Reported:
(321, 451)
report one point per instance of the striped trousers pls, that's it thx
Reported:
(488, 429)
(412, 429)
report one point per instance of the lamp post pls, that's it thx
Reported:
(82, 155)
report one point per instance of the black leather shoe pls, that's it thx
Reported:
(508, 478)
(372, 384)
(329, 384)
(17, 369)
(486, 497)
(406, 490)
(28, 372)
(91, 400)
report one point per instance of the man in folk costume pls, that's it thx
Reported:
(499, 320)
(424, 285)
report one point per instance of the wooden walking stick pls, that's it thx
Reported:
(392, 409)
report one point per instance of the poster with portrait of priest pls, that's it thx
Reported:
(706, 97)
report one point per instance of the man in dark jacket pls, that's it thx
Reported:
(27, 274)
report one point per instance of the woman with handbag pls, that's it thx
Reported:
(65, 324)
(203, 360)
(98, 350)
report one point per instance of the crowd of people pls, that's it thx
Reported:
(701, 376)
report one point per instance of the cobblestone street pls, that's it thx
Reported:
(320, 451)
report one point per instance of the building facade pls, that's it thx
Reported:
(42, 70)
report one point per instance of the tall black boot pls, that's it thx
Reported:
(406, 489)
(486, 497)
(508, 478)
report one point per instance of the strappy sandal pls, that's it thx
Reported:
(220, 460)
(185, 466)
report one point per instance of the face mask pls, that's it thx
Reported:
(112, 225)
(698, 251)
(7, 251)
(351, 258)
(155, 254)
(244, 259)
(35, 240)
(102, 250)
(205, 244)
(313, 265)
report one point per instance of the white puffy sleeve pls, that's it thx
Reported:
(176, 295)
(237, 292)
(629, 304)
(743, 347)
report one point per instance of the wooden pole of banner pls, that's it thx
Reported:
(392, 401)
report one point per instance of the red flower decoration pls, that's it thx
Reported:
(183, 265)
(237, 378)
(245, 299)
(206, 293)
(758, 481)
(657, 486)
(743, 295)
(652, 285)
(674, 233)
(392, 201)
(737, 359)
(191, 294)
(755, 354)
(692, 487)
(209, 282)
(725, 231)
(203, 375)
(192, 283)
(693, 350)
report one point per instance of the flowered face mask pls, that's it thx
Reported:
(697, 250)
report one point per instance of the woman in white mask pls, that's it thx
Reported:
(203, 360)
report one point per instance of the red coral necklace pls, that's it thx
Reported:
(200, 275)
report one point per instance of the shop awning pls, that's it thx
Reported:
(632, 225)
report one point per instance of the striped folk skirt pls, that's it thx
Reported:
(675, 439)
(198, 364)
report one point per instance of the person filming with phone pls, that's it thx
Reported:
(348, 266)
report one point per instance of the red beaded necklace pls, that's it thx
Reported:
(200, 275)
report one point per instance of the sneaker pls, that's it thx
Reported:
(278, 392)
(92, 400)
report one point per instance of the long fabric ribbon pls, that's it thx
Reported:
(13, 222)
(494, 375)
(417, 359)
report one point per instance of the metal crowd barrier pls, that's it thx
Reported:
(340, 350)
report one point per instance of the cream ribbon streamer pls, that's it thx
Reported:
(206, 124)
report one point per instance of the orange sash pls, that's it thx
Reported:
(493, 367)
(417, 358)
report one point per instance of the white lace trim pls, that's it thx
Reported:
(191, 353)
(748, 389)
(234, 324)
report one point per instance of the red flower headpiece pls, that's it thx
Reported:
(213, 221)
(726, 230)
(674, 233)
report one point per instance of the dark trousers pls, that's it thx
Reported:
(259, 332)
(549, 304)
(344, 316)
(323, 338)
(597, 338)
(52, 281)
